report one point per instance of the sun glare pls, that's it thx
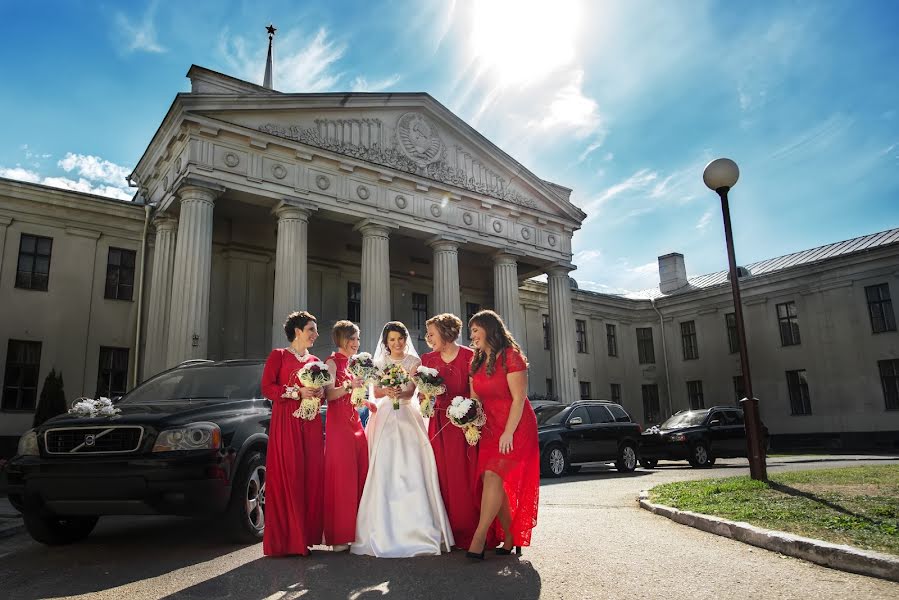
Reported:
(517, 42)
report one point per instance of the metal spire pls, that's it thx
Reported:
(267, 80)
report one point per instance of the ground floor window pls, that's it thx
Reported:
(694, 393)
(889, 378)
(23, 362)
(651, 412)
(800, 400)
(585, 390)
(112, 374)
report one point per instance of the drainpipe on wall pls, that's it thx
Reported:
(140, 294)
(664, 355)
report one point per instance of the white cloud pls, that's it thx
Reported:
(83, 185)
(585, 256)
(705, 219)
(139, 36)
(571, 111)
(361, 84)
(638, 181)
(20, 174)
(95, 168)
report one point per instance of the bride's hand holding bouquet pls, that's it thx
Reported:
(393, 377)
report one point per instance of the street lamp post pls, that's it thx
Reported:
(720, 175)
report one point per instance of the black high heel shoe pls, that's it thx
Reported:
(504, 552)
(475, 555)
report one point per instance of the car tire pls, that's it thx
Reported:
(700, 456)
(246, 510)
(53, 530)
(627, 458)
(649, 463)
(554, 461)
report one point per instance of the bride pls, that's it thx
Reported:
(401, 513)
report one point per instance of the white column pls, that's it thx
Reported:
(375, 279)
(446, 277)
(291, 267)
(562, 340)
(189, 319)
(505, 293)
(160, 295)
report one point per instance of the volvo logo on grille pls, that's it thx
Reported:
(90, 439)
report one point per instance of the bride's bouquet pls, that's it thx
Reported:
(430, 385)
(393, 376)
(361, 366)
(468, 415)
(315, 376)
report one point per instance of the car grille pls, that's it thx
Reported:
(93, 440)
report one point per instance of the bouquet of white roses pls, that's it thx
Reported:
(88, 407)
(361, 366)
(468, 415)
(315, 376)
(393, 376)
(430, 385)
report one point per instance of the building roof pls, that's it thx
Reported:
(781, 263)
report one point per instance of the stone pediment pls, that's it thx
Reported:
(408, 137)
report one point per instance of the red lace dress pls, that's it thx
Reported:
(520, 468)
(294, 465)
(346, 462)
(457, 462)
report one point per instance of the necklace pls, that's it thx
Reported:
(297, 355)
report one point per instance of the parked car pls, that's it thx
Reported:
(697, 436)
(190, 441)
(583, 432)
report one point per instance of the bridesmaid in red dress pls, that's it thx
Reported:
(346, 449)
(508, 454)
(295, 455)
(457, 462)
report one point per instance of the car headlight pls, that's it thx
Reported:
(28, 444)
(677, 437)
(196, 436)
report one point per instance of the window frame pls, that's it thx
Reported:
(21, 390)
(689, 341)
(547, 333)
(580, 334)
(651, 398)
(798, 399)
(646, 355)
(612, 339)
(882, 305)
(788, 324)
(118, 269)
(613, 389)
(111, 370)
(733, 340)
(354, 301)
(695, 395)
(419, 312)
(20, 281)
(889, 382)
(581, 388)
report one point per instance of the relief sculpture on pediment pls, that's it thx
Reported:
(416, 148)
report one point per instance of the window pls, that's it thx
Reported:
(546, 332)
(619, 414)
(789, 324)
(800, 402)
(615, 392)
(581, 412)
(585, 390)
(580, 330)
(889, 378)
(694, 394)
(549, 387)
(645, 351)
(23, 361)
(33, 271)
(688, 340)
(112, 375)
(651, 403)
(471, 309)
(353, 302)
(419, 312)
(600, 414)
(739, 389)
(733, 343)
(611, 340)
(880, 308)
(120, 274)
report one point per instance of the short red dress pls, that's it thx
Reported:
(294, 465)
(520, 468)
(346, 462)
(457, 462)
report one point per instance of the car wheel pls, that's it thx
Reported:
(649, 463)
(246, 511)
(700, 456)
(555, 461)
(55, 531)
(627, 458)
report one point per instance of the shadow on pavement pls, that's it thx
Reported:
(329, 575)
(121, 550)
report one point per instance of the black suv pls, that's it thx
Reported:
(190, 441)
(583, 432)
(697, 436)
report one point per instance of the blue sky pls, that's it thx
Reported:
(624, 102)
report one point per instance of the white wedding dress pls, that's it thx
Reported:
(401, 513)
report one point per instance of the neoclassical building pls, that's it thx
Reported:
(250, 203)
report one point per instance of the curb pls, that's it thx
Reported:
(835, 556)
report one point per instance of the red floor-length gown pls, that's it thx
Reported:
(457, 462)
(520, 468)
(346, 462)
(294, 465)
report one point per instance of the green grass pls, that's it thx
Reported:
(858, 506)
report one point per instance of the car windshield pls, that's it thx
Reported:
(687, 419)
(213, 382)
(550, 415)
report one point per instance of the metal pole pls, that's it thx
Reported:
(757, 467)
